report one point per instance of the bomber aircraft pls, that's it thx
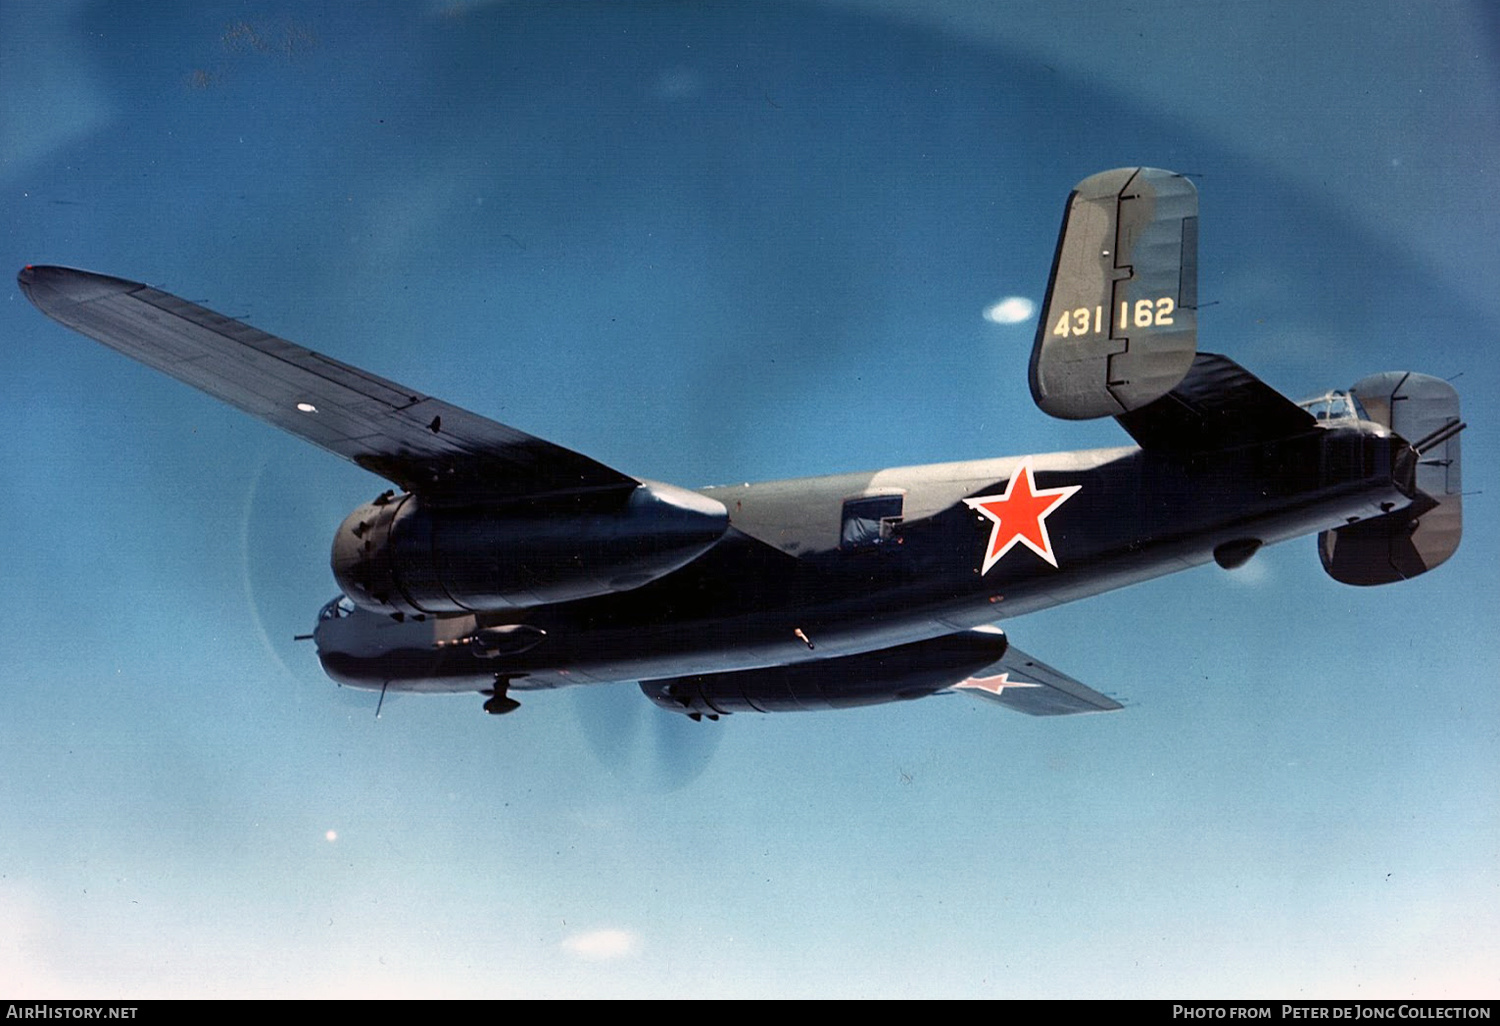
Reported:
(500, 562)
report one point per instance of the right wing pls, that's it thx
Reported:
(425, 445)
(1031, 686)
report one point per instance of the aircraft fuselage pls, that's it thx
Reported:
(845, 564)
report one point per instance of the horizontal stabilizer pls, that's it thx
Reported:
(422, 444)
(1119, 324)
(1424, 411)
(1031, 686)
(1218, 405)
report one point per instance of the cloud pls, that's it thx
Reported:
(458, 8)
(1253, 574)
(603, 945)
(677, 83)
(1010, 310)
(57, 98)
(26, 930)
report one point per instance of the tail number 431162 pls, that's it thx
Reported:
(1146, 313)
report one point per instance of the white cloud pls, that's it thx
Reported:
(602, 945)
(457, 8)
(1253, 574)
(26, 930)
(676, 83)
(56, 99)
(1010, 310)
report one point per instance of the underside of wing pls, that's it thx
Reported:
(1219, 405)
(980, 662)
(422, 444)
(1031, 686)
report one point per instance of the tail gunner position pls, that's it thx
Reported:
(500, 562)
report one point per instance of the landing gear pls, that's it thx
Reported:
(499, 703)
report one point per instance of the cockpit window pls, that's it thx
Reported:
(1334, 405)
(336, 608)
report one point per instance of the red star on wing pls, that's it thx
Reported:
(994, 685)
(1020, 515)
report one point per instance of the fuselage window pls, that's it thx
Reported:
(870, 520)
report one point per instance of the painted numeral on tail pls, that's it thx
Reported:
(1148, 313)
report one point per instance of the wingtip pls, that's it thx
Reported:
(31, 279)
(44, 284)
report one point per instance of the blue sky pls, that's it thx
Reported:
(711, 243)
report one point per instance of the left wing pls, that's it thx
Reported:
(425, 445)
(1031, 686)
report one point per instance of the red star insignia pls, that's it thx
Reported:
(993, 685)
(1020, 515)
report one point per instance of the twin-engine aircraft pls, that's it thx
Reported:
(501, 563)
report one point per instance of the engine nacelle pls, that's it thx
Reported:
(868, 678)
(400, 555)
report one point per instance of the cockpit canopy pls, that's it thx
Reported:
(336, 608)
(1334, 405)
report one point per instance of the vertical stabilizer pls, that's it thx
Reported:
(1424, 411)
(1120, 323)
